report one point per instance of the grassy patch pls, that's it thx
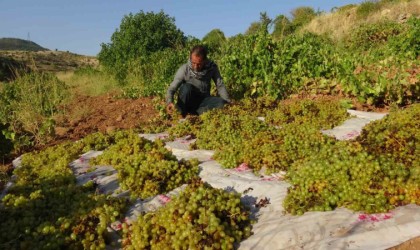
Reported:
(89, 81)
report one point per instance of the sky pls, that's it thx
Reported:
(80, 26)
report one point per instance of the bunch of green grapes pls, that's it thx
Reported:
(343, 175)
(49, 220)
(200, 217)
(277, 149)
(258, 106)
(322, 113)
(184, 128)
(397, 135)
(46, 209)
(90, 229)
(239, 137)
(97, 141)
(144, 167)
(221, 127)
(226, 133)
(156, 125)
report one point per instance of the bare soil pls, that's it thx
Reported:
(105, 113)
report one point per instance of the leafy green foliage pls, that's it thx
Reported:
(138, 37)
(214, 40)
(282, 27)
(257, 66)
(407, 42)
(392, 80)
(27, 106)
(153, 74)
(367, 7)
(302, 16)
(372, 35)
(247, 66)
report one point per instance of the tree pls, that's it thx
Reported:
(263, 24)
(138, 37)
(253, 28)
(214, 39)
(302, 16)
(282, 27)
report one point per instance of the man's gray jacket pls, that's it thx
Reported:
(184, 75)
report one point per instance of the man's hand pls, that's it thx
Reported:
(170, 108)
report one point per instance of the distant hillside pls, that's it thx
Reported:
(19, 44)
(341, 21)
(45, 61)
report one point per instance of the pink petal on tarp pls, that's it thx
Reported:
(242, 168)
(164, 199)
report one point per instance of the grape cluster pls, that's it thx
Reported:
(277, 149)
(344, 175)
(187, 127)
(200, 217)
(144, 167)
(323, 113)
(397, 135)
(46, 209)
(237, 137)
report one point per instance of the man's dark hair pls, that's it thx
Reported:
(200, 51)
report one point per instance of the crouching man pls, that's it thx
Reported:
(193, 82)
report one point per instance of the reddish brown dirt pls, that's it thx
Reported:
(413, 244)
(105, 113)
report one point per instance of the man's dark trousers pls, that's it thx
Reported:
(192, 101)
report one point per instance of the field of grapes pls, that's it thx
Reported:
(373, 174)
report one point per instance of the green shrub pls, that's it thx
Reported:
(391, 80)
(282, 27)
(150, 76)
(303, 58)
(139, 36)
(6, 145)
(27, 106)
(372, 35)
(247, 66)
(256, 65)
(302, 16)
(407, 42)
(367, 7)
(214, 40)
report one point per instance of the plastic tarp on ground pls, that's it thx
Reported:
(274, 229)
